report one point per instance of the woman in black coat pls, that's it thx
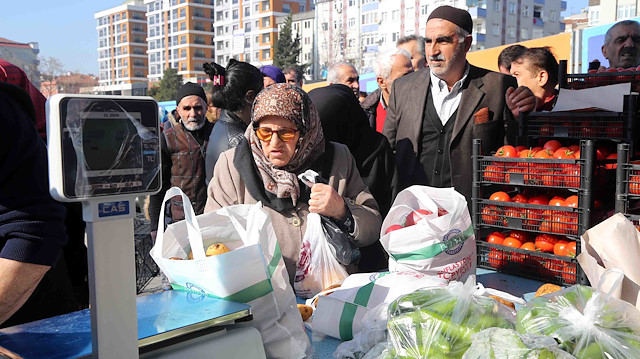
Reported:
(344, 121)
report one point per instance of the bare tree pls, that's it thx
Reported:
(50, 69)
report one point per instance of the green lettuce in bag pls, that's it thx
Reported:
(499, 343)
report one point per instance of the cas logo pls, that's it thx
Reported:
(109, 209)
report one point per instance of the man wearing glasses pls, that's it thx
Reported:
(183, 146)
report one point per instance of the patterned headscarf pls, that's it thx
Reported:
(293, 104)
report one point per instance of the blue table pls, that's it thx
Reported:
(160, 316)
(324, 346)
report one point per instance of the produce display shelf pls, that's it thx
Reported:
(564, 174)
(595, 125)
(545, 267)
(582, 81)
(627, 180)
(557, 220)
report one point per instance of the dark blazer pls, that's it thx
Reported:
(405, 112)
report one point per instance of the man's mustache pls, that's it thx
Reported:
(628, 51)
(438, 57)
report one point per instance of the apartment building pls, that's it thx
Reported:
(180, 37)
(246, 29)
(605, 12)
(304, 25)
(355, 30)
(23, 55)
(122, 49)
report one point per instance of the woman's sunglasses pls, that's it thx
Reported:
(285, 134)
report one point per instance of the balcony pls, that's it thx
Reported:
(479, 37)
(563, 5)
(477, 12)
(539, 2)
(538, 22)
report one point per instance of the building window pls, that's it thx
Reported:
(525, 10)
(183, 53)
(247, 26)
(495, 29)
(286, 8)
(511, 32)
(511, 8)
(183, 25)
(235, 14)
(524, 34)
(352, 22)
(266, 54)
(183, 12)
(423, 10)
(266, 38)
(395, 15)
(199, 39)
(496, 5)
(553, 15)
(266, 22)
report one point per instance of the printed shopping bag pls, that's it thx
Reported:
(252, 272)
(429, 230)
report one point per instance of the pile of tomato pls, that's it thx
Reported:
(538, 173)
(560, 221)
(547, 243)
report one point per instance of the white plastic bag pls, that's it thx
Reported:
(340, 314)
(586, 322)
(253, 272)
(317, 267)
(441, 243)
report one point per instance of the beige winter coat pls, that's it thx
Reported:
(228, 188)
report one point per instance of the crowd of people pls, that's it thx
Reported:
(248, 139)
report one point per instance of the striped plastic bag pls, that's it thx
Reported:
(252, 272)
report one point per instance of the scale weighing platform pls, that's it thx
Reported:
(104, 151)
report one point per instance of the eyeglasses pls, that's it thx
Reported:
(285, 134)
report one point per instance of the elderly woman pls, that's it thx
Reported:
(284, 139)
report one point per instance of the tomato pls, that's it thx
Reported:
(539, 199)
(416, 216)
(560, 248)
(495, 258)
(569, 273)
(510, 171)
(564, 153)
(557, 201)
(529, 246)
(507, 151)
(393, 227)
(534, 216)
(500, 196)
(612, 166)
(512, 242)
(587, 130)
(494, 173)
(495, 238)
(536, 149)
(571, 201)
(577, 154)
(614, 130)
(545, 221)
(520, 148)
(520, 198)
(519, 235)
(552, 145)
(545, 242)
(564, 223)
(551, 267)
(574, 148)
(491, 215)
(571, 249)
(634, 184)
(602, 153)
(526, 154)
(546, 130)
(571, 175)
(544, 154)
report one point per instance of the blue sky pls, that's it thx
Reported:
(66, 29)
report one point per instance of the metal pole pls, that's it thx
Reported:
(114, 321)
(621, 179)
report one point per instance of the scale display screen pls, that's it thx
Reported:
(106, 146)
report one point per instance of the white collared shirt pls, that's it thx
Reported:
(384, 104)
(446, 102)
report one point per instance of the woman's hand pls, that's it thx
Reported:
(326, 201)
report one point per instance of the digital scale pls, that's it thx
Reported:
(104, 151)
